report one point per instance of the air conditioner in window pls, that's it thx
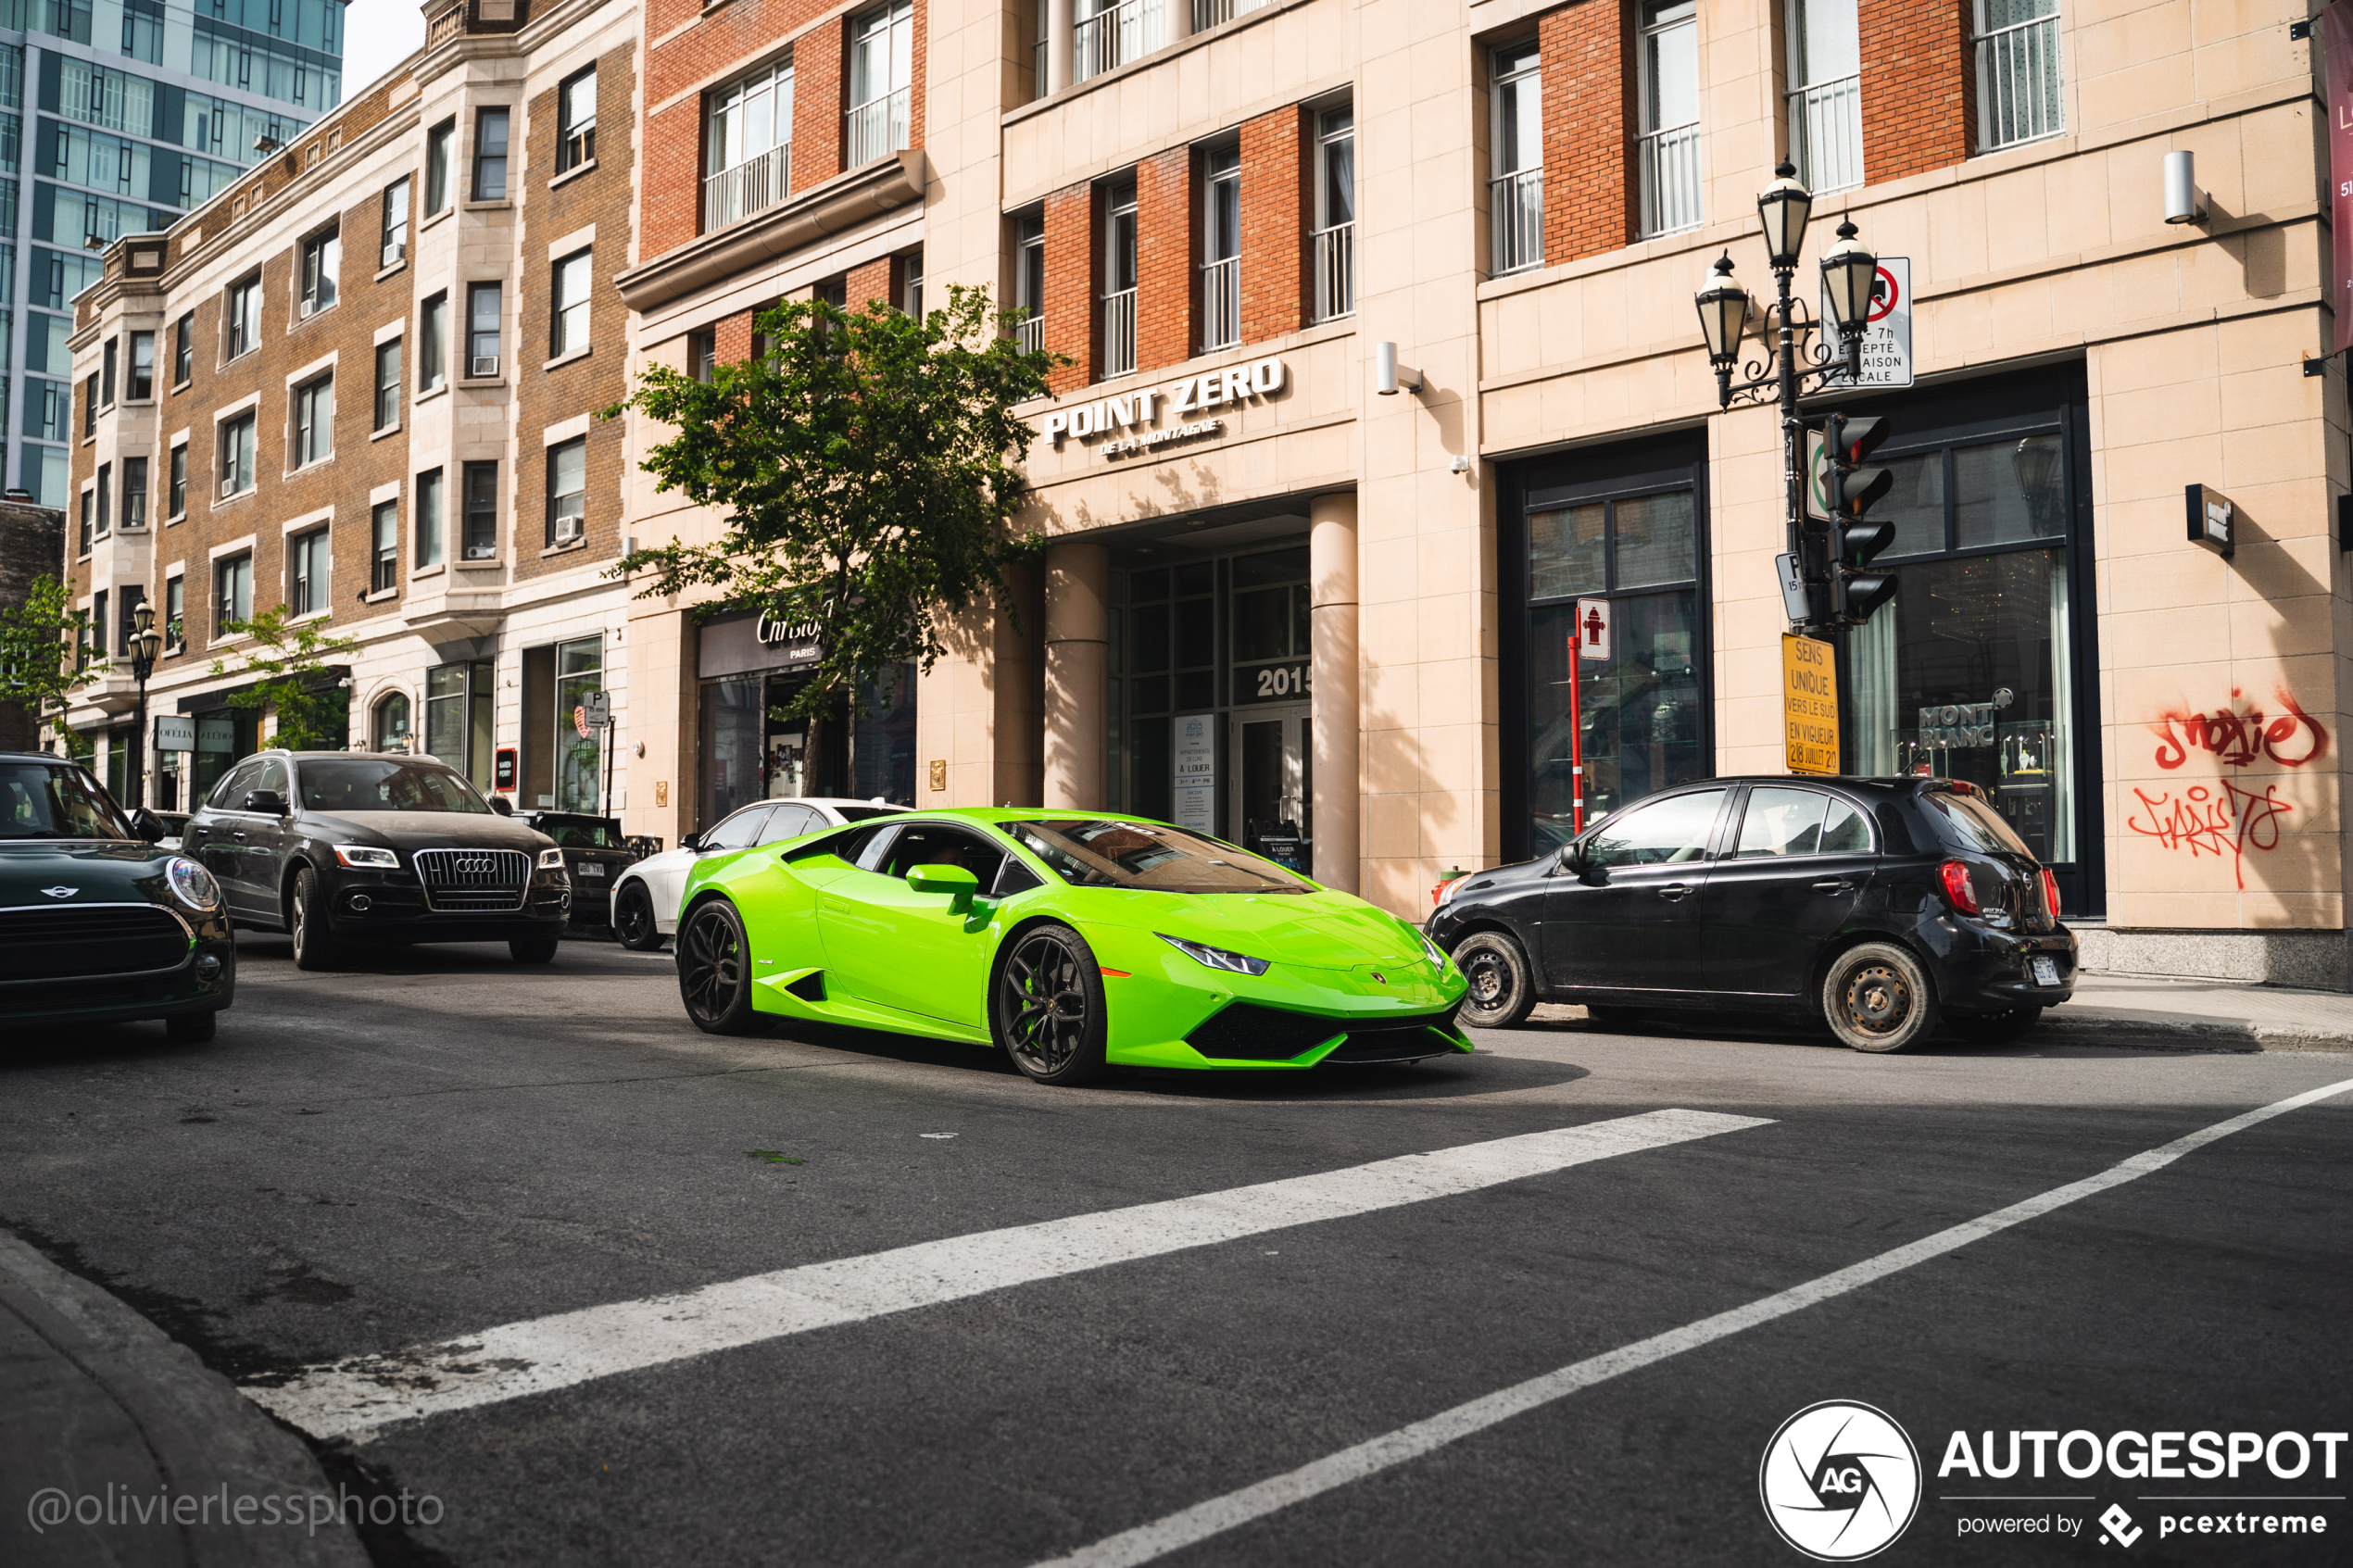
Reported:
(483, 365)
(228, 488)
(309, 306)
(395, 254)
(567, 529)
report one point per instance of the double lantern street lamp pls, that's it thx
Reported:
(146, 642)
(1784, 327)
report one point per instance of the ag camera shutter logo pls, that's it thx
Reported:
(1840, 1481)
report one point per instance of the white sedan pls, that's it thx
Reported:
(645, 901)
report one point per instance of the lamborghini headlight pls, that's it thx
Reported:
(1429, 950)
(1215, 957)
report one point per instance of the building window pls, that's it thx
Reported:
(703, 356)
(1119, 280)
(245, 316)
(747, 147)
(1669, 149)
(183, 349)
(143, 369)
(458, 717)
(383, 560)
(89, 524)
(438, 142)
(490, 155)
(90, 405)
(179, 497)
(1029, 280)
(306, 572)
(175, 614)
(427, 520)
(1334, 247)
(482, 302)
(882, 52)
(1121, 31)
(135, 492)
(482, 511)
(314, 422)
(231, 594)
(576, 121)
(910, 284)
(98, 632)
(321, 259)
(2017, 72)
(392, 722)
(105, 500)
(432, 342)
(237, 455)
(388, 384)
(567, 491)
(571, 304)
(1516, 154)
(1825, 94)
(1221, 255)
(394, 234)
(106, 372)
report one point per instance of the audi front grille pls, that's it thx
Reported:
(473, 880)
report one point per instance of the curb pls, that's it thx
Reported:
(2154, 1032)
(115, 1418)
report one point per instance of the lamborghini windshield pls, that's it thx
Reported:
(1094, 852)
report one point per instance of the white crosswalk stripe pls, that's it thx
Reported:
(360, 1397)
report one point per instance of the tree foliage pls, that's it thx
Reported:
(866, 465)
(38, 644)
(291, 657)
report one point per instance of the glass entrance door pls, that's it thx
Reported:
(1274, 784)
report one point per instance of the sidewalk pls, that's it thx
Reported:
(2116, 1010)
(121, 1448)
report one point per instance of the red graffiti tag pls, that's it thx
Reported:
(2217, 820)
(2243, 736)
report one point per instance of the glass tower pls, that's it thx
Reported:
(116, 117)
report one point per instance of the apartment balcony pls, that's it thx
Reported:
(1112, 37)
(1826, 134)
(1119, 333)
(1515, 220)
(1335, 263)
(1217, 13)
(2017, 84)
(1221, 304)
(1670, 180)
(1029, 334)
(878, 129)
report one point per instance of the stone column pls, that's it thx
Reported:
(1331, 572)
(1058, 28)
(1175, 20)
(1077, 662)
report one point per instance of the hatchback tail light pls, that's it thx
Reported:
(2050, 893)
(1957, 891)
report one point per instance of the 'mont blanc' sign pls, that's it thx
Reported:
(1153, 417)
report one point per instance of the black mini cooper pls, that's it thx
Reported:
(98, 922)
(1878, 905)
(340, 848)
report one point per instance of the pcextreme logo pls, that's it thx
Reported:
(1840, 1481)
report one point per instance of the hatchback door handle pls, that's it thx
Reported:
(241, 839)
(1673, 891)
(1836, 885)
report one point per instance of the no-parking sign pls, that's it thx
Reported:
(1887, 341)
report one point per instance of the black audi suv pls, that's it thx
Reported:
(351, 848)
(1876, 906)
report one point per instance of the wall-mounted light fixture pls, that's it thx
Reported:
(1460, 465)
(2184, 203)
(1389, 375)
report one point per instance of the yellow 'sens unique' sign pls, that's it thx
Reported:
(1810, 705)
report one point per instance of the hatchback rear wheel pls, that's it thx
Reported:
(1502, 993)
(1878, 997)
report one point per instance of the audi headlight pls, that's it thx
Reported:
(1215, 957)
(368, 856)
(551, 859)
(190, 883)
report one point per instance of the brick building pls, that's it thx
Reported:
(360, 383)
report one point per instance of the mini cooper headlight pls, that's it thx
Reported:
(1215, 957)
(551, 859)
(368, 856)
(190, 883)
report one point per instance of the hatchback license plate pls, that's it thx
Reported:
(591, 868)
(2047, 972)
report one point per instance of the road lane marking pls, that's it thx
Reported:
(358, 1397)
(1220, 1514)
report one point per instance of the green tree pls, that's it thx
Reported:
(867, 465)
(291, 657)
(39, 657)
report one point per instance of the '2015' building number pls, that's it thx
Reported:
(1275, 681)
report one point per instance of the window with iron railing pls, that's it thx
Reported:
(1825, 94)
(2017, 72)
(882, 55)
(1221, 235)
(1115, 34)
(1335, 231)
(748, 146)
(1669, 149)
(1516, 181)
(1217, 13)
(1119, 283)
(1029, 283)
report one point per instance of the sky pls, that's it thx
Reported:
(377, 35)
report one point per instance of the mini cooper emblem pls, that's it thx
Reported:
(61, 892)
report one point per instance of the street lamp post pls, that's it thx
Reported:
(144, 644)
(1726, 310)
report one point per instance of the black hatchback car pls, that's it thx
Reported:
(596, 852)
(340, 847)
(1878, 905)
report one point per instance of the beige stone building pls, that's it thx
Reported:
(1283, 605)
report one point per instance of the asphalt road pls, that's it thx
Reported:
(446, 1143)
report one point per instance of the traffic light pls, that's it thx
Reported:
(1854, 538)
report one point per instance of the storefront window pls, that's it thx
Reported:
(733, 721)
(882, 742)
(392, 722)
(579, 671)
(457, 707)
